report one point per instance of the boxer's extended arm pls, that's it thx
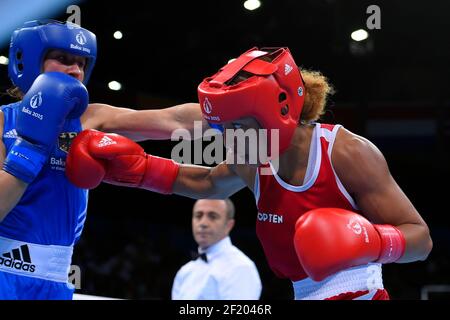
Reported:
(95, 156)
(139, 125)
(364, 172)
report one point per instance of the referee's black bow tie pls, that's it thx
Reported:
(196, 255)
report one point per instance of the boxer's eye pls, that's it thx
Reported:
(62, 59)
(81, 64)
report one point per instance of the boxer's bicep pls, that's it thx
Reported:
(364, 172)
(123, 121)
(188, 116)
(101, 116)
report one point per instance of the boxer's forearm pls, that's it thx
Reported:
(11, 188)
(155, 124)
(11, 191)
(418, 242)
(207, 183)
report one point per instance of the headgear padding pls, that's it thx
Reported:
(31, 42)
(265, 84)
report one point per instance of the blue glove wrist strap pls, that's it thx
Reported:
(25, 160)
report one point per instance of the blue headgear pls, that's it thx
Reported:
(31, 42)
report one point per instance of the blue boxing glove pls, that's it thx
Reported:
(53, 97)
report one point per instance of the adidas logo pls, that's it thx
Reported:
(287, 69)
(12, 134)
(18, 259)
(106, 141)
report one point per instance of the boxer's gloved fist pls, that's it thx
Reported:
(53, 97)
(95, 156)
(328, 240)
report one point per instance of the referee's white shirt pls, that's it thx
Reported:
(228, 275)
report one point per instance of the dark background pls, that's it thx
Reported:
(391, 88)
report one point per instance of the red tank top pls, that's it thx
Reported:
(281, 204)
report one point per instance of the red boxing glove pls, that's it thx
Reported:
(95, 156)
(328, 240)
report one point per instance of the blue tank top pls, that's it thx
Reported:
(52, 211)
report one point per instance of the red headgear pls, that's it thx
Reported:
(272, 92)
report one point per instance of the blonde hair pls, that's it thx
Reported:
(318, 89)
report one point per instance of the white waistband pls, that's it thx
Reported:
(47, 262)
(361, 278)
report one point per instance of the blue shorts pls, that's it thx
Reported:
(16, 287)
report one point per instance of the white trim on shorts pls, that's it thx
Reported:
(361, 278)
(48, 262)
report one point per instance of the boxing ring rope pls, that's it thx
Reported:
(78, 296)
(426, 290)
